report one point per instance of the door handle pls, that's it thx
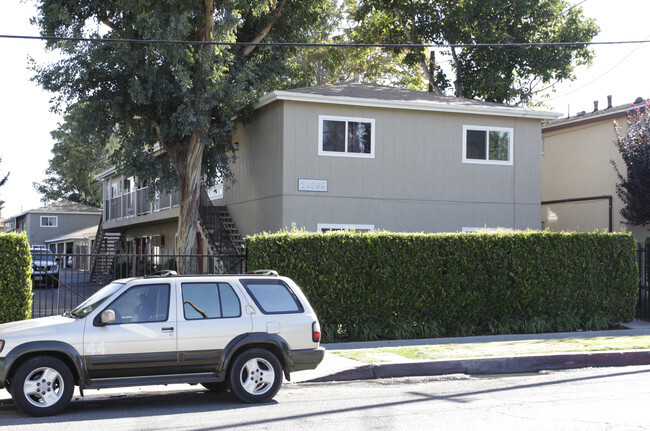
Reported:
(168, 329)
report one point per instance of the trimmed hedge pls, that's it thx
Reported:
(390, 285)
(15, 277)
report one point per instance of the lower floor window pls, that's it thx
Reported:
(360, 228)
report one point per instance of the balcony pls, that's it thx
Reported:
(138, 203)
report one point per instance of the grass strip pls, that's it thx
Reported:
(502, 348)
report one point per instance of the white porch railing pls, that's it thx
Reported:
(137, 203)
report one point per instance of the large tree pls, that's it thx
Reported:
(497, 74)
(330, 64)
(77, 157)
(183, 97)
(633, 144)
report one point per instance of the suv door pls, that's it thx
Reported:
(141, 340)
(211, 314)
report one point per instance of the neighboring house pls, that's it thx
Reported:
(79, 243)
(52, 221)
(360, 156)
(578, 179)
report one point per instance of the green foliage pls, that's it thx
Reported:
(633, 186)
(182, 98)
(311, 66)
(78, 157)
(387, 285)
(502, 74)
(15, 277)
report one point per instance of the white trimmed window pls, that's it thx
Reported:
(49, 221)
(489, 145)
(359, 228)
(346, 137)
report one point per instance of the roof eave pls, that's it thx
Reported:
(402, 104)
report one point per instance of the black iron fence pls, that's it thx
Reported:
(643, 302)
(61, 287)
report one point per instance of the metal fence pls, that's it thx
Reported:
(643, 302)
(72, 282)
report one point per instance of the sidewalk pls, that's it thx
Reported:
(338, 368)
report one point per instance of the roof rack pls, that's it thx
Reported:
(264, 272)
(163, 273)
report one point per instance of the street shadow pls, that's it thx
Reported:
(137, 405)
(95, 405)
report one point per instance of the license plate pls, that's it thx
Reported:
(37, 278)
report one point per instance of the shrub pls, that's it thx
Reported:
(15, 277)
(390, 285)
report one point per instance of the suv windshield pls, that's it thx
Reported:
(86, 307)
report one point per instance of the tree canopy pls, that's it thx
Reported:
(183, 97)
(634, 184)
(78, 157)
(497, 74)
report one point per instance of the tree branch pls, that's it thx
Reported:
(423, 64)
(277, 13)
(459, 72)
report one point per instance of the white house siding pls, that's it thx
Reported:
(416, 181)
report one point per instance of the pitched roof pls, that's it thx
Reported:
(62, 206)
(376, 95)
(594, 116)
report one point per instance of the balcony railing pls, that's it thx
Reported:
(139, 202)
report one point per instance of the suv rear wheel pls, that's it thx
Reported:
(255, 376)
(42, 386)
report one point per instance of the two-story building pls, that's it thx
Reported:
(361, 156)
(578, 179)
(54, 221)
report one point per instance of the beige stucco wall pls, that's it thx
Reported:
(576, 164)
(416, 181)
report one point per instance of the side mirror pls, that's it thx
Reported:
(108, 316)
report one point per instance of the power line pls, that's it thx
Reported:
(320, 45)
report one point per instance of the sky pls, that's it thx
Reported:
(26, 120)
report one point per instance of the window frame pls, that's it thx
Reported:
(347, 120)
(488, 129)
(55, 218)
(138, 286)
(344, 227)
(218, 283)
(272, 281)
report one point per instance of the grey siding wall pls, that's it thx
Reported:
(66, 223)
(416, 181)
(255, 198)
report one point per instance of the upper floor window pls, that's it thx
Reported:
(359, 228)
(49, 221)
(346, 137)
(491, 145)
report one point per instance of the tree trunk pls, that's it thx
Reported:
(188, 166)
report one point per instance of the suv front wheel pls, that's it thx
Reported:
(255, 376)
(42, 386)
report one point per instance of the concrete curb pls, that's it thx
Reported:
(492, 365)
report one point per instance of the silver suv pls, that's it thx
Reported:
(241, 332)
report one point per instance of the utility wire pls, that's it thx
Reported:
(323, 45)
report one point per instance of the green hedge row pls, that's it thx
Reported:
(15, 277)
(389, 285)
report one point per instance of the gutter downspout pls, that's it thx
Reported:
(590, 198)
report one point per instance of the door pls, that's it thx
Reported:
(142, 339)
(211, 315)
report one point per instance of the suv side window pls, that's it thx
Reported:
(209, 301)
(141, 304)
(272, 296)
